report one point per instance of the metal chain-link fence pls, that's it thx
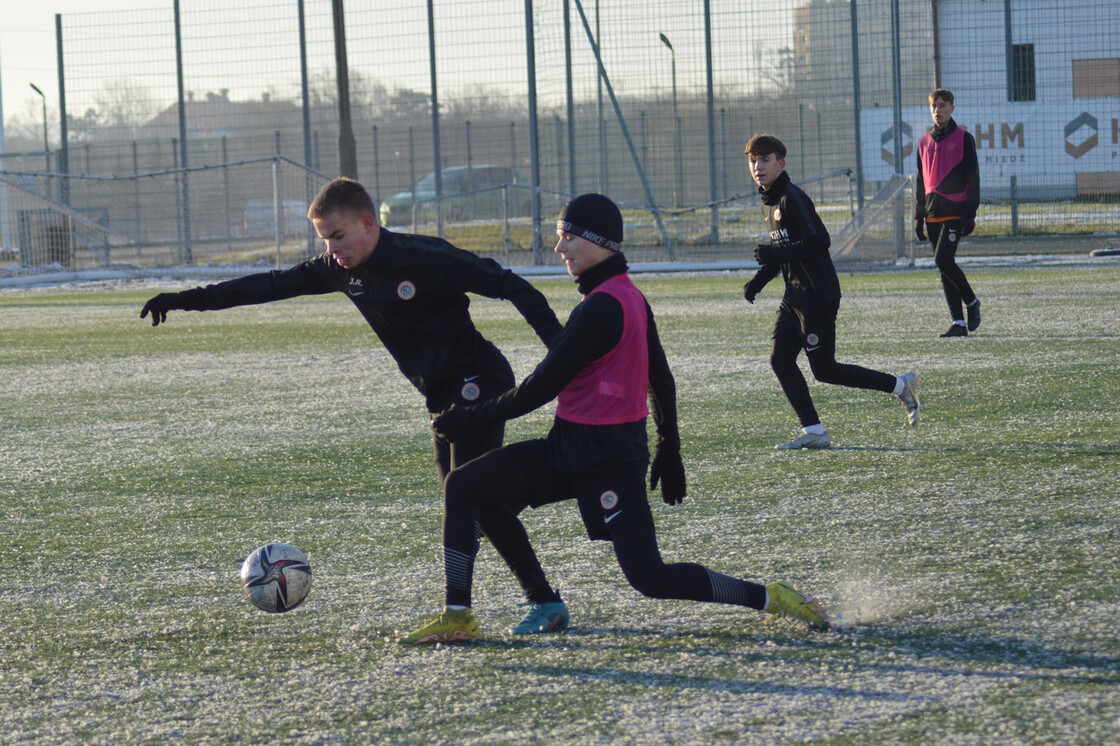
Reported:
(177, 117)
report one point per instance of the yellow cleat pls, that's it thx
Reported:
(783, 600)
(452, 625)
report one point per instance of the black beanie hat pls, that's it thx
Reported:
(595, 218)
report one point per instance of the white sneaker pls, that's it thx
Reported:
(808, 440)
(909, 397)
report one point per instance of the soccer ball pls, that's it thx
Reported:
(276, 577)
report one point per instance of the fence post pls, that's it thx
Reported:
(64, 146)
(507, 237)
(277, 207)
(723, 147)
(412, 174)
(1014, 206)
(569, 100)
(185, 180)
(534, 135)
(713, 177)
(376, 169)
(896, 106)
(437, 159)
(347, 147)
(136, 194)
(559, 149)
(225, 188)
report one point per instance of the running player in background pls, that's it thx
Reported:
(798, 250)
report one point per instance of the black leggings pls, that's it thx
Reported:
(814, 329)
(497, 522)
(641, 563)
(945, 238)
(500, 483)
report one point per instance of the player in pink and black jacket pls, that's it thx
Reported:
(601, 369)
(946, 196)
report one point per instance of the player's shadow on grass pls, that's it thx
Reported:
(670, 681)
(1042, 449)
(871, 449)
(743, 645)
(1042, 662)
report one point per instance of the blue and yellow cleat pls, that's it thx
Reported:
(551, 616)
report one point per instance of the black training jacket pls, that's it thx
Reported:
(803, 243)
(413, 293)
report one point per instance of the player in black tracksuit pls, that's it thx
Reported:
(799, 250)
(605, 363)
(412, 290)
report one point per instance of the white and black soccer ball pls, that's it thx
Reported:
(276, 577)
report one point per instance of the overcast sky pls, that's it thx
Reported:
(27, 46)
(28, 50)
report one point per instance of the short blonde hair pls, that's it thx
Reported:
(341, 194)
(941, 93)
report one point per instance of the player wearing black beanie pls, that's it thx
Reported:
(608, 373)
(595, 218)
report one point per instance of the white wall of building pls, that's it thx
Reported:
(1043, 143)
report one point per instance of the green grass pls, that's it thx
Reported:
(973, 559)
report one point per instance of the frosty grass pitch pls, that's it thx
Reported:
(973, 559)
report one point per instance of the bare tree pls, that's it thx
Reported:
(123, 106)
(480, 102)
(406, 104)
(776, 67)
(24, 130)
(368, 98)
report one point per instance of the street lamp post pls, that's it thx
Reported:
(46, 147)
(678, 192)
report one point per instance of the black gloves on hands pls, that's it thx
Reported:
(454, 423)
(160, 305)
(750, 291)
(968, 225)
(668, 469)
(766, 254)
(920, 229)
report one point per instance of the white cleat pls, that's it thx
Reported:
(808, 440)
(909, 397)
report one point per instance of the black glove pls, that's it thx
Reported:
(920, 229)
(160, 305)
(454, 424)
(668, 469)
(750, 291)
(968, 225)
(766, 254)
